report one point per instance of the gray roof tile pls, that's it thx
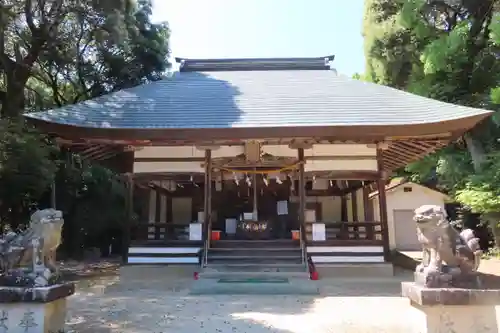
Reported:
(245, 99)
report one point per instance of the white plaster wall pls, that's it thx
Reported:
(398, 199)
(186, 167)
(322, 150)
(330, 207)
(186, 151)
(335, 165)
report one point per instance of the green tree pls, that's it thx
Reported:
(76, 48)
(62, 52)
(446, 50)
(27, 168)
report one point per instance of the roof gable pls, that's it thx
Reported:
(397, 184)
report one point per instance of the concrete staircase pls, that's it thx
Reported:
(255, 267)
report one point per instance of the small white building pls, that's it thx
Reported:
(403, 197)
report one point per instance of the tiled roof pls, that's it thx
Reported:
(247, 99)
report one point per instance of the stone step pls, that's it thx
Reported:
(254, 260)
(252, 244)
(355, 270)
(269, 250)
(248, 268)
(259, 256)
(256, 252)
(244, 275)
(289, 286)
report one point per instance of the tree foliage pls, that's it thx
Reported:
(59, 52)
(75, 50)
(27, 169)
(448, 50)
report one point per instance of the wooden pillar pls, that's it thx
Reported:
(383, 204)
(302, 191)
(169, 208)
(129, 206)
(157, 206)
(367, 205)
(207, 204)
(152, 206)
(354, 206)
(255, 205)
(163, 208)
(343, 208)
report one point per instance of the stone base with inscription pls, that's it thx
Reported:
(34, 310)
(454, 310)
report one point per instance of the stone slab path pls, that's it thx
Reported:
(108, 306)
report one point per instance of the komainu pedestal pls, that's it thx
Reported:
(36, 310)
(447, 294)
(32, 295)
(452, 310)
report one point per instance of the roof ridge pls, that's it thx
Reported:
(253, 64)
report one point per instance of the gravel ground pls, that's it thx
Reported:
(108, 305)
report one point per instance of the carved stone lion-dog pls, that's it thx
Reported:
(17, 250)
(441, 243)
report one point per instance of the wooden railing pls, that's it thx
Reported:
(350, 231)
(146, 231)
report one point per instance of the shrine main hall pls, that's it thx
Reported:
(257, 162)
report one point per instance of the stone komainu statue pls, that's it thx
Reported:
(441, 243)
(34, 248)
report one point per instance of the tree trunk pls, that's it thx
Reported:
(476, 151)
(13, 97)
(493, 220)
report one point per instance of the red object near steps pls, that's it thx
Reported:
(195, 275)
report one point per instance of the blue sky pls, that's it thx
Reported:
(266, 28)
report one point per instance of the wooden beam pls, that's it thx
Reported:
(367, 204)
(127, 225)
(207, 204)
(383, 206)
(198, 177)
(169, 159)
(354, 205)
(341, 158)
(343, 208)
(301, 144)
(302, 192)
(308, 158)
